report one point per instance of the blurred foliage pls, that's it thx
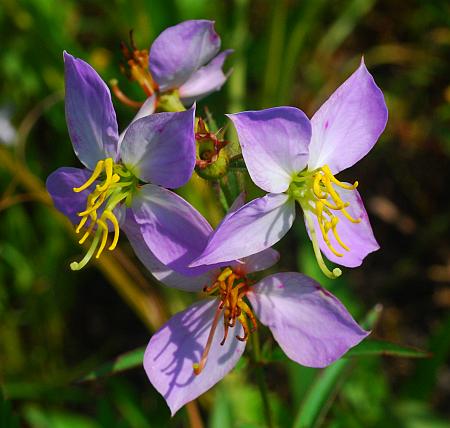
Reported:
(57, 326)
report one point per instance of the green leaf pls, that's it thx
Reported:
(321, 395)
(123, 362)
(381, 347)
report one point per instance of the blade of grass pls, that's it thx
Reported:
(321, 395)
(381, 347)
(275, 52)
(343, 26)
(123, 362)
(305, 23)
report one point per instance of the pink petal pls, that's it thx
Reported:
(259, 261)
(348, 124)
(205, 80)
(311, 325)
(274, 145)
(179, 344)
(254, 227)
(90, 115)
(159, 270)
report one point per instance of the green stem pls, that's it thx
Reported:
(260, 379)
(170, 102)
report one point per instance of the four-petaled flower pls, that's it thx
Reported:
(296, 159)
(157, 149)
(200, 345)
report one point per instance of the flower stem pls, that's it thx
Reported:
(260, 379)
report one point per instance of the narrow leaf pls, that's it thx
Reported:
(321, 395)
(381, 347)
(123, 362)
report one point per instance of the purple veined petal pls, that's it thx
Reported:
(179, 344)
(205, 80)
(274, 145)
(60, 184)
(358, 237)
(348, 124)
(181, 50)
(90, 115)
(311, 325)
(160, 271)
(259, 261)
(146, 109)
(256, 226)
(174, 230)
(160, 148)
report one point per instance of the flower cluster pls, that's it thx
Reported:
(125, 186)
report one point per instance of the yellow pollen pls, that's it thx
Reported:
(107, 194)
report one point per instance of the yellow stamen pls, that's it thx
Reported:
(113, 219)
(349, 217)
(81, 224)
(330, 274)
(97, 171)
(104, 226)
(334, 223)
(224, 274)
(326, 169)
(316, 187)
(109, 174)
(88, 255)
(94, 207)
(108, 194)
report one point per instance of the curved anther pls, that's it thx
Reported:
(108, 215)
(104, 228)
(109, 174)
(95, 174)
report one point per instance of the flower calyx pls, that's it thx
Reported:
(212, 160)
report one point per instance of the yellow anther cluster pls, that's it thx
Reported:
(328, 200)
(109, 193)
(230, 288)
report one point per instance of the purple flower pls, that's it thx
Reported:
(296, 159)
(185, 58)
(199, 346)
(183, 62)
(159, 148)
